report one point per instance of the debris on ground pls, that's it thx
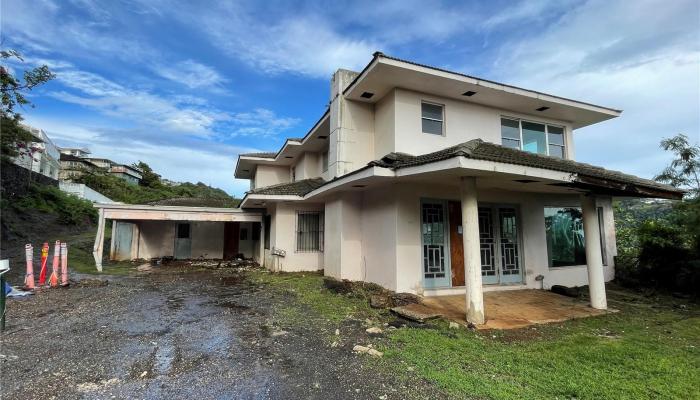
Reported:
(566, 291)
(454, 325)
(144, 267)
(16, 292)
(359, 349)
(92, 282)
(416, 312)
(373, 330)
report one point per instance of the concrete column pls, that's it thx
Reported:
(591, 232)
(98, 248)
(472, 251)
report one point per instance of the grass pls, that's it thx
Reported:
(648, 350)
(80, 257)
(310, 293)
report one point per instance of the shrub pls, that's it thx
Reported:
(70, 209)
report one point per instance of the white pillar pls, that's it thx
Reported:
(472, 251)
(97, 249)
(591, 232)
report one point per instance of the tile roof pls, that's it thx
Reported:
(298, 188)
(477, 149)
(259, 155)
(196, 202)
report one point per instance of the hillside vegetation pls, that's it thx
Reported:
(152, 188)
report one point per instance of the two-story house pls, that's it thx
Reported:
(418, 179)
(434, 182)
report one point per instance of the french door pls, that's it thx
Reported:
(436, 267)
(443, 251)
(500, 245)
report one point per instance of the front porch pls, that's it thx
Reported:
(512, 309)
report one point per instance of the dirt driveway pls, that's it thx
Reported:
(174, 334)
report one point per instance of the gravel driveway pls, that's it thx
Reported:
(182, 334)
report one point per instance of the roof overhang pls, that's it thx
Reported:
(315, 140)
(384, 73)
(176, 213)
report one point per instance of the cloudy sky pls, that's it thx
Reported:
(187, 85)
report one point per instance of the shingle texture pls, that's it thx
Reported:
(477, 149)
(298, 188)
(196, 202)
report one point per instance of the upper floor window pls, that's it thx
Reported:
(432, 118)
(533, 137)
(324, 161)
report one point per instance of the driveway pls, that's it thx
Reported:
(206, 334)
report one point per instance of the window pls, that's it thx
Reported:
(183, 231)
(244, 234)
(601, 229)
(309, 231)
(268, 220)
(533, 137)
(565, 241)
(324, 161)
(432, 118)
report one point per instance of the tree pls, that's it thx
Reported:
(684, 170)
(12, 95)
(148, 177)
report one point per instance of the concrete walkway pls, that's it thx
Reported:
(513, 309)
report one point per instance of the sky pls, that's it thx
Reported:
(188, 85)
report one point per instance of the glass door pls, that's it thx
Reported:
(436, 270)
(500, 245)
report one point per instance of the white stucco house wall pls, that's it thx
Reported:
(418, 179)
(434, 182)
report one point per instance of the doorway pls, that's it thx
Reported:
(183, 240)
(499, 236)
(231, 240)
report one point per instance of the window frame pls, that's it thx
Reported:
(298, 246)
(544, 222)
(442, 121)
(324, 161)
(563, 146)
(267, 221)
(600, 211)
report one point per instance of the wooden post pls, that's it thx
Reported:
(97, 249)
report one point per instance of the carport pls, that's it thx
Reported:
(182, 232)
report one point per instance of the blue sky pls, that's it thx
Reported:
(186, 85)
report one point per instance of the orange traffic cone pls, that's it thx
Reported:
(44, 258)
(64, 264)
(53, 279)
(29, 278)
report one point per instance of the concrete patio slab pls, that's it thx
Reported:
(513, 309)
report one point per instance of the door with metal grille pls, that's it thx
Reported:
(500, 245)
(511, 271)
(436, 266)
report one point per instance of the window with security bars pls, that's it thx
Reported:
(309, 231)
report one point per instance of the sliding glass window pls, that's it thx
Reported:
(533, 137)
(565, 240)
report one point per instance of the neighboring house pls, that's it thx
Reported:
(421, 180)
(130, 174)
(40, 155)
(75, 151)
(73, 167)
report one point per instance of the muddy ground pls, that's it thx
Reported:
(176, 333)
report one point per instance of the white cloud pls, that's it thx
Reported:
(192, 74)
(304, 44)
(194, 161)
(261, 123)
(601, 52)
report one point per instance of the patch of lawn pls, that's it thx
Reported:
(648, 350)
(309, 290)
(80, 257)
(638, 353)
